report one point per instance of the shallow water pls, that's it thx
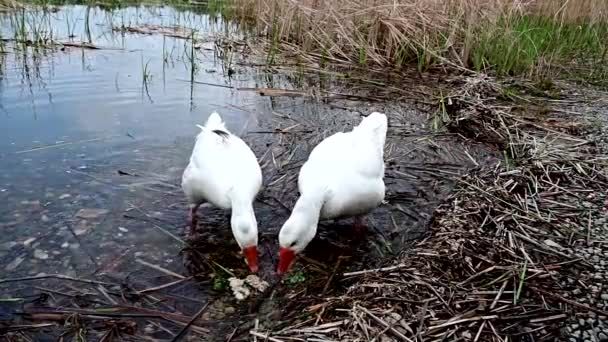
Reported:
(72, 119)
(93, 143)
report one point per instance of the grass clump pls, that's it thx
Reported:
(521, 44)
(505, 36)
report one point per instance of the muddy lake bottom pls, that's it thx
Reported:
(92, 148)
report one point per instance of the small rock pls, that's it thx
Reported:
(123, 229)
(64, 196)
(14, 264)
(604, 296)
(65, 245)
(602, 336)
(229, 310)
(40, 254)
(29, 241)
(89, 213)
(32, 203)
(44, 218)
(82, 228)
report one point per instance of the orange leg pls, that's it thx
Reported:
(358, 225)
(193, 218)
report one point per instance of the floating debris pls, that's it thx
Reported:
(241, 288)
(149, 29)
(256, 283)
(238, 288)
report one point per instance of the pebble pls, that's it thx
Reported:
(604, 296)
(88, 213)
(29, 241)
(40, 254)
(82, 227)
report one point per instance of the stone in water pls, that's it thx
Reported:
(89, 213)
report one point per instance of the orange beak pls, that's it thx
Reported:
(286, 257)
(251, 254)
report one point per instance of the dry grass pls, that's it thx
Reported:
(9, 5)
(424, 32)
(499, 262)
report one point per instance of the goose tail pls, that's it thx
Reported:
(215, 122)
(376, 125)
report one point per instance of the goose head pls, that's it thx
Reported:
(245, 231)
(295, 235)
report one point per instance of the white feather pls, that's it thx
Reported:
(224, 171)
(342, 177)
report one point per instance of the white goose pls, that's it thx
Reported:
(224, 171)
(343, 177)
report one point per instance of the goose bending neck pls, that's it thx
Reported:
(240, 205)
(308, 208)
(243, 223)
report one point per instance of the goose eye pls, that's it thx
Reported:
(293, 244)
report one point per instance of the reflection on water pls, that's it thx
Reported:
(105, 129)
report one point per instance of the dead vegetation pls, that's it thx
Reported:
(498, 263)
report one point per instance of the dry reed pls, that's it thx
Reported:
(424, 32)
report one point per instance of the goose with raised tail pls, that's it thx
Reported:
(225, 172)
(343, 177)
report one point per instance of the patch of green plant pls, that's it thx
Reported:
(521, 44)
(220, 283)
(296, 277)
(441, 116)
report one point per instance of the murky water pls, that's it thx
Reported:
(93, 143)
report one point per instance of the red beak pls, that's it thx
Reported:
(251, 254)
(286, 257)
